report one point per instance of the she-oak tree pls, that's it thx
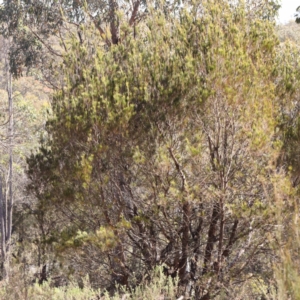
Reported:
(161, 149)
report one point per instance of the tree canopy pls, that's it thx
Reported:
(162, 148)
(169, 155)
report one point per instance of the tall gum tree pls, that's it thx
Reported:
(6, 186)
(39, 29)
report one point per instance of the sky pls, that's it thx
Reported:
(287, 10)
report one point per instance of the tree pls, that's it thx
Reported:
(153, 155)
(7, 199)
(18, 128)
(39, 29)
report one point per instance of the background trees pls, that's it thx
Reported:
(19, 127)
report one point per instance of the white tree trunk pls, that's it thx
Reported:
(6, 198)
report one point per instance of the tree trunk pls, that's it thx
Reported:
(6, 199)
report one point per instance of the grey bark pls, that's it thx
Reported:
(6, 199)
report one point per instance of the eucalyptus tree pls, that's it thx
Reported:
(7, 199)
(25, 120)
(39, 28)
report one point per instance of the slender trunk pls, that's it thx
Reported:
(185, 242)
(113, 21)
(10, 174)
(221, 235)
(226, 252)
(43, 274)
(7, 201)
(197, 247)
(211, 238)
(3, 229)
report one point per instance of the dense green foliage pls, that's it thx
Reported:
(152, 154)
(169, 160)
